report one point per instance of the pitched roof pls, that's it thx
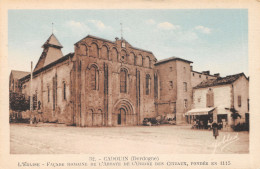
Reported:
(51, 52)
(171, 59)
(53, 41)
(219, 81)
(64, 58)
(19, 74)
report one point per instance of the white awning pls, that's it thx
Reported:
(200, 111)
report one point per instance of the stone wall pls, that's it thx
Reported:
(105, 101)
(241, 88)
(197, 78)
(44, 80)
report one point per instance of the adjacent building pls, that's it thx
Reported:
(217, 97)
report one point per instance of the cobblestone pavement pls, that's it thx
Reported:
(60, 139)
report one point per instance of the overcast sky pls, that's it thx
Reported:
(215, 40)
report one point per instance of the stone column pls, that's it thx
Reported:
(83, 100)
(110, 98)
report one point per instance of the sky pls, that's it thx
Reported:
(213, 39)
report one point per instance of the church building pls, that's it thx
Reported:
(107, 83)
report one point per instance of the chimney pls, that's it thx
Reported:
(217, 75)
(116, 38)
(206, 72)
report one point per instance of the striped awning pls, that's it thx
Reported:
(200, 111)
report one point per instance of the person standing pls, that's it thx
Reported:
(215, 129)
(209, 125)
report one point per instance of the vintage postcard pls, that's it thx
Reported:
(146, 84)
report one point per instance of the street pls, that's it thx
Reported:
(61, 139)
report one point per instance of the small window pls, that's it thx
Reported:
(148, 84)
(193, 74)
(239, 101)
(185, 86)
(64, 91)
(123, 80)
(171, 69)
(184, 69)
(199, 76)
(93, 78)
(185, 103)
(207, 77)
(171, 84)
(48, 91)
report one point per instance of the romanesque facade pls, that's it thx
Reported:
(113, 83)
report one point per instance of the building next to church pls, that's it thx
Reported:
(218, 96)
(108, 83)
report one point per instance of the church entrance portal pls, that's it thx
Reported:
(121, 117)
(124, 114)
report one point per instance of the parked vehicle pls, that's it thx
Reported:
(150, 122)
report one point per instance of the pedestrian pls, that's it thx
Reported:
(35, 120)
(215, 129)
(209, 125)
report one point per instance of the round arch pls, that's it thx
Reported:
(124, 113)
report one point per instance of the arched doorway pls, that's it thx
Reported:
(121, 117)
(124, 114)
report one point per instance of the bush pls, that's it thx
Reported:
(18, 102)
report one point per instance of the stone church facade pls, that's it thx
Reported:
(103, 83)
(108, 83)
(113, 83)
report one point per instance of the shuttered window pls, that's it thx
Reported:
(210, 99)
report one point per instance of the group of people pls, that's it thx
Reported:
(209, 124)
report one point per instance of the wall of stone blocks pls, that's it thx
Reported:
(42, 81)
(92, 51)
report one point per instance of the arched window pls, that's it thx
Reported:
(155, 86)
(123, 80)
(64, 91)
(147, 84)
(48, 90)
(93, 77)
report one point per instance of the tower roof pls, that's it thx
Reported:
(51, 52)
(52, 41)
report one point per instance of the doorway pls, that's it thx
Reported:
(121, 117)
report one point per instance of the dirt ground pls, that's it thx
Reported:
(60, 139)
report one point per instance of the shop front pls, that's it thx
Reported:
(200, 118)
